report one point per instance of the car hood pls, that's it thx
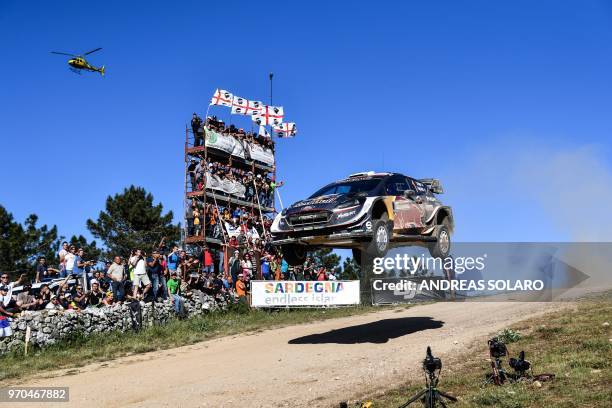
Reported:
(327, 202)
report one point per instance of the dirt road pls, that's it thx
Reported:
(317, 364)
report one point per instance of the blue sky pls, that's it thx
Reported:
(488, 96)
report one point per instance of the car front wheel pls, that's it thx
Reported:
(441, 247)
(381, 236)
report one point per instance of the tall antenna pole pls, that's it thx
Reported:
(271, 76)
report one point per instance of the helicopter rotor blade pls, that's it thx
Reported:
(92, 51)
(63, 53)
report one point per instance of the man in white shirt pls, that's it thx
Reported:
(70, 260)
(62, 258)
(7, 298)
(140, 274)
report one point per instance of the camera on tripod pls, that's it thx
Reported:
(431, 364)
(497, 349)
(520, 365)
(431, 396)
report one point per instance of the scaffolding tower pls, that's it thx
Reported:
(218, 245)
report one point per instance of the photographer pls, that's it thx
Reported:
(157, 275)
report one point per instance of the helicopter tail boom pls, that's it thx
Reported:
(102, 70)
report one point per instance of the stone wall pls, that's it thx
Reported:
(49, 326)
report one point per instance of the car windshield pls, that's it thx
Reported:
(349, 187)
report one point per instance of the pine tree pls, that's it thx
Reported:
(20, 245)
(131, 221)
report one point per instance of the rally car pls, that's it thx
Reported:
(368, 213)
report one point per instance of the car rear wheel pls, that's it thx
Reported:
(294, 254)
(381, 235)
(441, 247)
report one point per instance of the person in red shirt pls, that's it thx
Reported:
(208, 260)
(321, 274)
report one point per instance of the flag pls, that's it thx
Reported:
(269, 115)
(239, 105)
(255, 107)
(222, 97)
(263, 131)
(285, 129)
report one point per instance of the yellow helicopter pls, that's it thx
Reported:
(78, 62)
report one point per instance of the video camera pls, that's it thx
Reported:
(520, 365)
(431, 364)
(497, 348)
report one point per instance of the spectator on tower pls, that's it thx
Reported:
(196, 221)
(191, 171)
(208, 260)
(196, 124)
(241, 286)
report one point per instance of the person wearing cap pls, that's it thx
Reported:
(240, 286)
(54, 304)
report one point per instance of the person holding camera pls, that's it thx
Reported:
(157, 275)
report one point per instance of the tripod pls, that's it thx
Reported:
(431, 396)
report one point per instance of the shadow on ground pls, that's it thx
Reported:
(374, 332)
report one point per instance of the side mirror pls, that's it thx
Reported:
(409, 193)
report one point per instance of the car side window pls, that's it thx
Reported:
(396, 186)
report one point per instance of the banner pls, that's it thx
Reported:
(231, 231)
(304, 293)
(225, 143)
(261, 154)
(234, 188)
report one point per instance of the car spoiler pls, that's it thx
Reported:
(433, 184)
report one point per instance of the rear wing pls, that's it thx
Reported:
(433, 184)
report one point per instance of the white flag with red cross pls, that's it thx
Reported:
(269, 116)
(239, 105)
(222, 97)
(285, 129)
